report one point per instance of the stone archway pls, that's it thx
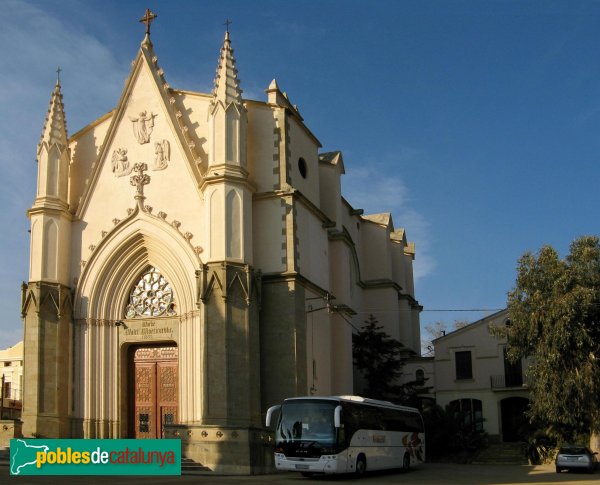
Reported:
(512, 412)
(105, 331)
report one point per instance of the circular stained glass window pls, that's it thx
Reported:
(152, 296)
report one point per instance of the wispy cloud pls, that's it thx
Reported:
(372, 188)
(34, 43)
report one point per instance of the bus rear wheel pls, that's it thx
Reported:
(406, 462)
(361, 466)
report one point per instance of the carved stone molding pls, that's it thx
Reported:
(229, 278)
(39, 294)
(138, 181)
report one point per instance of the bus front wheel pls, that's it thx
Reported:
(406, 462)
(361, 465)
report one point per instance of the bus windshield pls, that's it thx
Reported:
(307, 421)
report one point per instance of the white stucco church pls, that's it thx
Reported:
(193, 262)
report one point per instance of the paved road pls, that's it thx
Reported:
(430, 474)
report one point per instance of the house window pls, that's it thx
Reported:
(464, 368)
(302, 168)
(420, 376)
(468, 412)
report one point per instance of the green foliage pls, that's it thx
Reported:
(554, 313)
(450, 435)
(377, 356)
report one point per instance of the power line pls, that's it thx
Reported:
(408, 310)
(464, 310)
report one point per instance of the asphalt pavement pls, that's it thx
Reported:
(428, 474)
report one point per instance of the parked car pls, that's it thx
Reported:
(576, 457)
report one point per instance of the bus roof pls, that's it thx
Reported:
(354, 399)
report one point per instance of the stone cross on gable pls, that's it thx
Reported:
(147, 19)
(139, 181)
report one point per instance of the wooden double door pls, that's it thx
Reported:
(154, 390)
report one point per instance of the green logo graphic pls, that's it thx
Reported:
(94, 457)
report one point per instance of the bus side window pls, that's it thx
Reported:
(392, 421)
(372, 419)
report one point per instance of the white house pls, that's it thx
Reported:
(474, 378)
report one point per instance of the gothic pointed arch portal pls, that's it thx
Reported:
(138, 293)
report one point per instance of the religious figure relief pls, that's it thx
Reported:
(162, 155)
(143, 126)
(120, 164)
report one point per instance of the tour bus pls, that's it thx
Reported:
(346, 434)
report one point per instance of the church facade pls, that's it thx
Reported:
(193, 262)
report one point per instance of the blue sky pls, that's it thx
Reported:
(476, 123)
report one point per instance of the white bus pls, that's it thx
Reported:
(346, 434)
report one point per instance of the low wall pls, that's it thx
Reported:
(9, 428)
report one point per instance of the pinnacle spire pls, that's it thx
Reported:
(227, 85)
(55, 125)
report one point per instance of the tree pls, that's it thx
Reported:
(436, 330)
(554, 313)
(377, 356)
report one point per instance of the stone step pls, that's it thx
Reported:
(502, 454)
(191, 467)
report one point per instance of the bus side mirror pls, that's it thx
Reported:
(337, 417)
(270, 412)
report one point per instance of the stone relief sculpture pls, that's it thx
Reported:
(120, 164)
(162, 152)
(143, 126)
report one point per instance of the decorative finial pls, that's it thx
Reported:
(58, 76)
(139, 181)
(147, 19)
(227, 24)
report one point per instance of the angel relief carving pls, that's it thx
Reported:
(162, 155)
(120, 164)
(143, 125)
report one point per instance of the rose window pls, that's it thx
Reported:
(152, 296)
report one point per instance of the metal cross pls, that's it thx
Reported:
(147, 19)
(139, 181)
(58, 75)
(227, 24)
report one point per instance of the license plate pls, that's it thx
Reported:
(302, 467)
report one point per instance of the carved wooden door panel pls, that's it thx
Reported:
(145, 400)
(167, 377)
(155, 390)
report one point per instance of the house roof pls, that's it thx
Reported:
(485, 320)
